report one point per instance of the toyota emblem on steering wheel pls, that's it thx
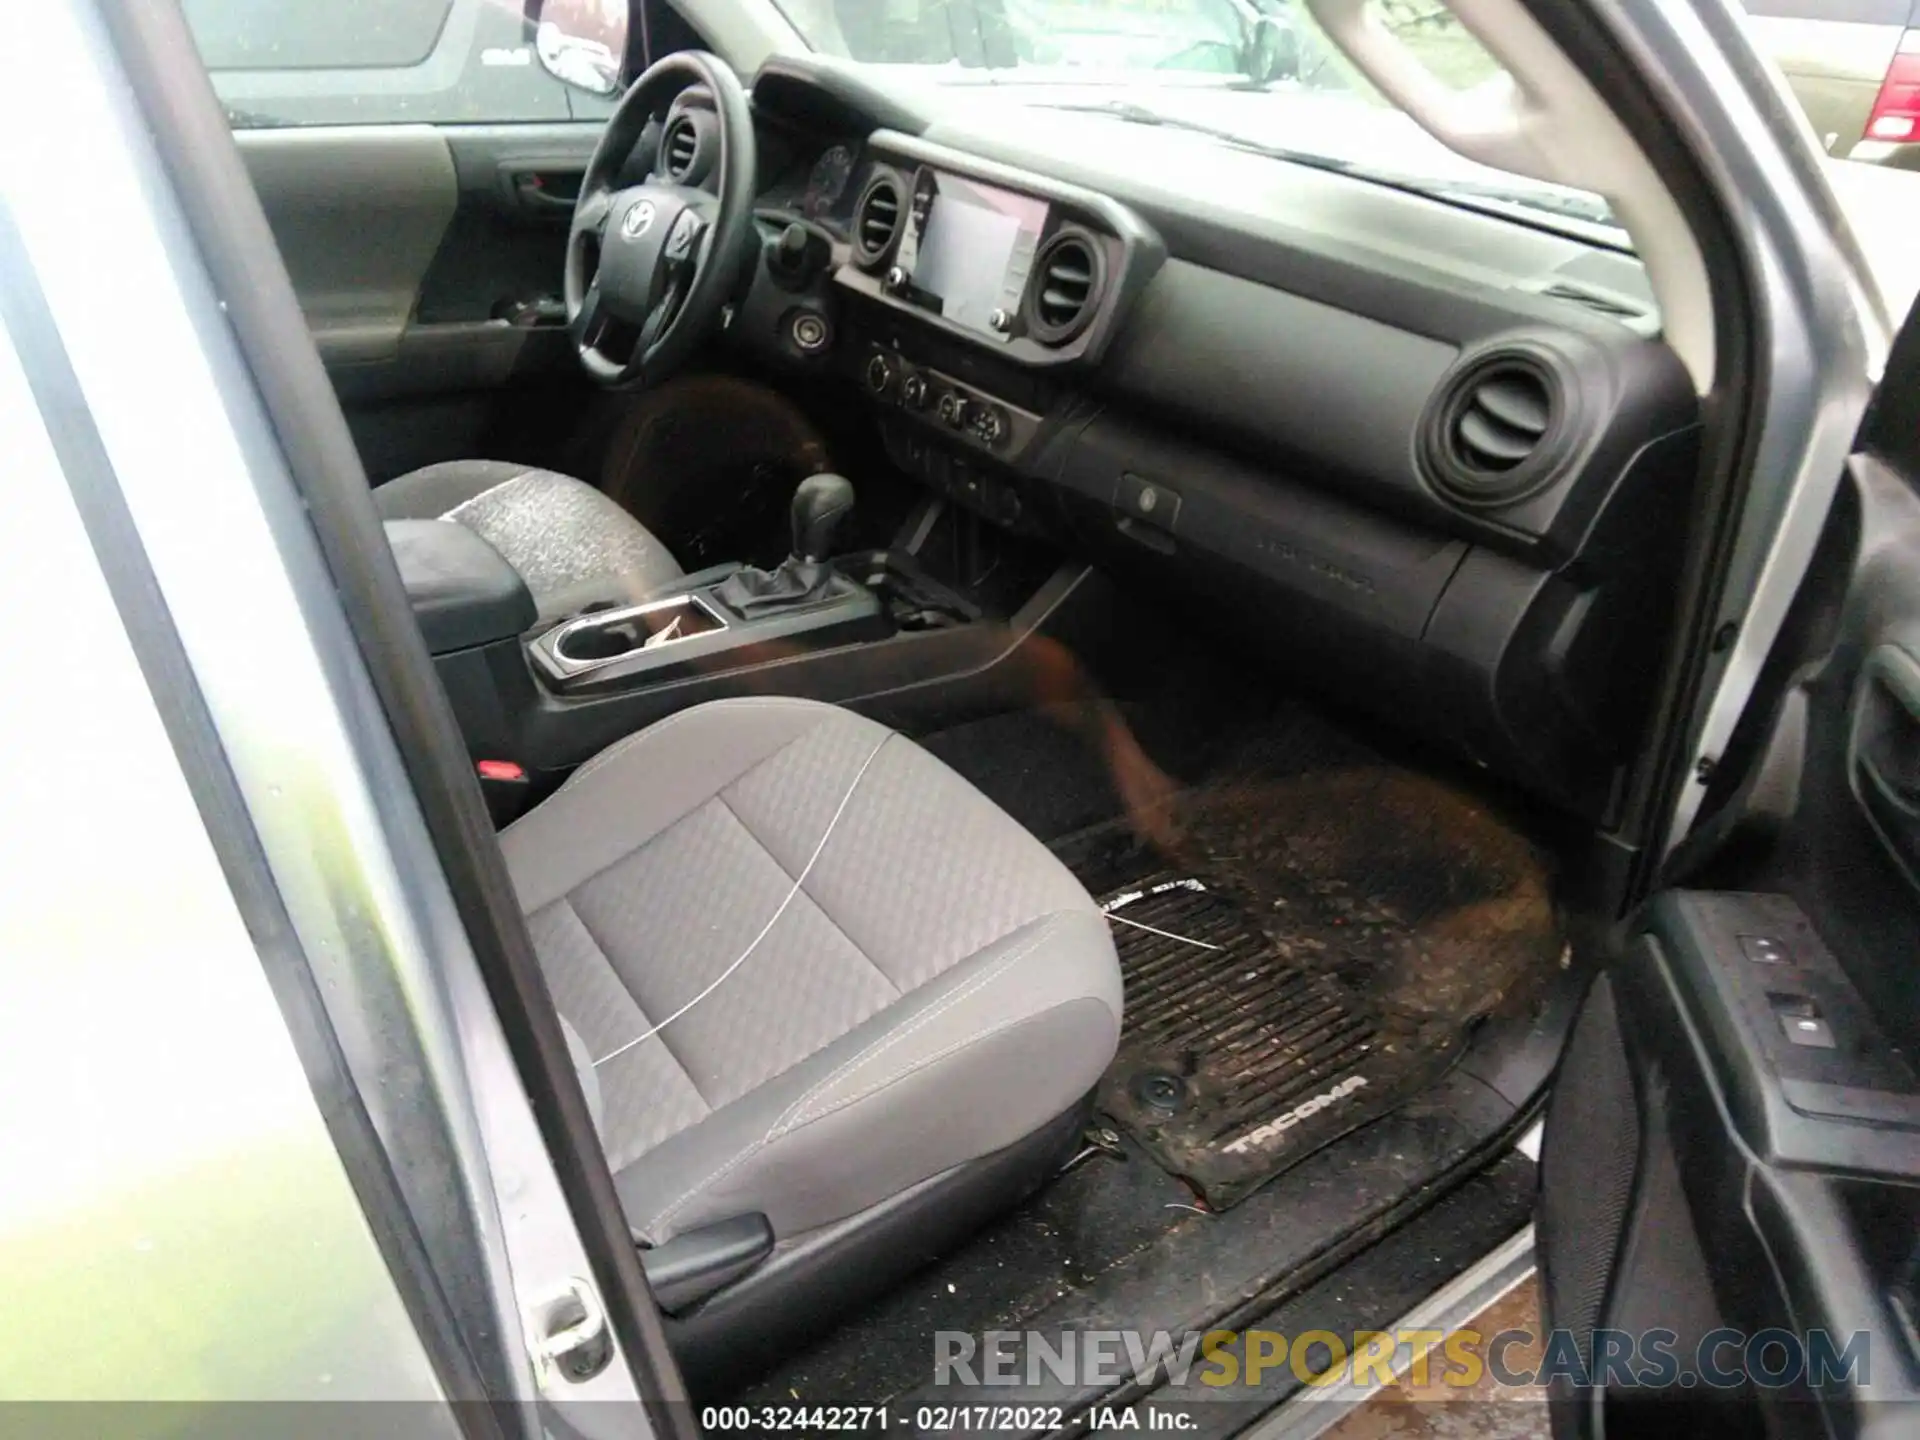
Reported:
(634, 224)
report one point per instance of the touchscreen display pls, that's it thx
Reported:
(973, 244)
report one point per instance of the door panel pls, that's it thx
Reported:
(1734, 1137)
(407, 242)
(1704, 1172)
(507, 241)
(1885, 750)
(359, 213)
(428, 262)
(417, 164)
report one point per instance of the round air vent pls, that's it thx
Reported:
(876, 220)
(1065, 289)
(1495, 433)
(680, 149)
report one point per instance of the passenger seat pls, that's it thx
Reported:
(832, 1007)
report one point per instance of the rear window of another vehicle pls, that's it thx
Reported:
(316, 34)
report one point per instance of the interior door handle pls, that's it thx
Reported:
(536, 192)
(544, 190)
(1883, 759)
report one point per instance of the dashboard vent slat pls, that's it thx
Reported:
(1500, 419)
(1068, 269)
(681, 149)
(876, 220)
(1515, 405)
(1498, 430)
(1491, 445)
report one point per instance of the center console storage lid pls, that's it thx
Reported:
(464, 593)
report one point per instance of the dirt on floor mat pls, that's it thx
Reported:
(1306, 946)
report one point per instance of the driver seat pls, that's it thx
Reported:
(574, 546)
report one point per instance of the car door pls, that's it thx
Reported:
(1732, 1151)
(418, 166)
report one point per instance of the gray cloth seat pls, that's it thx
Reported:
(574, 546)
(805, 966)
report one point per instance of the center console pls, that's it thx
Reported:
(681, 634)
(535, 697)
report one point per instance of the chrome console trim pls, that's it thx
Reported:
(553, 643)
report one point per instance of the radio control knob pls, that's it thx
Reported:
(879, 374)
(915, 392)
(1000, 320)
(896, 279)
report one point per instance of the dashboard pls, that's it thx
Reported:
(1433, 458)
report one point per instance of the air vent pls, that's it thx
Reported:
(876, 220)
(1066, 287)
(1595, 300)
(1503, 420)
(681, 148)
(1495, 434)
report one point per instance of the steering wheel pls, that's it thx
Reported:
(650, 266)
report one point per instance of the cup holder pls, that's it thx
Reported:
(596, 639)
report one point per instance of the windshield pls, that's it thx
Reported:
(1257, 74)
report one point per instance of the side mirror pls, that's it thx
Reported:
(582, 43)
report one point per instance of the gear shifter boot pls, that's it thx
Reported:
(793, 583)
(820, 503)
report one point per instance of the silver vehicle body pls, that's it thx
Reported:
(218, 1188)
(217, 815)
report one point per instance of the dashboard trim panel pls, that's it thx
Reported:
(1241, 425)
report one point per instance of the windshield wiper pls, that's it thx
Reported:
(1137, 114)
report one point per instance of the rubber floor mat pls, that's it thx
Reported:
(1306, 947)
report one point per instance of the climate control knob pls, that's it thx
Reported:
(989, 426)
(916, 392)
(955, 409)
(879, 374)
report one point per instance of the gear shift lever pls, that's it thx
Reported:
(819, 506)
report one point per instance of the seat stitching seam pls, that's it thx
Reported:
(779, 910)
(621, 746)
(607, 956)
(678, 820)
(918, 1065)
(761, 1144)
(597, 762)
(797, 1114)
(887, 1041)
(637, 851)
(735, 1163)
(812, 899)
(626, 855)
(741, 820)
